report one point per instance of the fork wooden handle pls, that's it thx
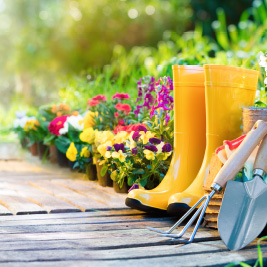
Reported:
(241, 154)
(261, 159)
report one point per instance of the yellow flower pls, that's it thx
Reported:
(88, 135)
(146, 136)
(149, 154)
(30, 125)
(159, 147)
(103, 137)
(102, 149)
(132, 142)
(108, 154)
(119, 155)
(166, 155)
(85, 152)
(88, 120)
(113, 175)
(120, 137)
(72, 152)
(102, 162)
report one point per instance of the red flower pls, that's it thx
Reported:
(116, 114)
(100, 98)
(123, 107)
(93, 103)
(121, 96)
(56, 124)
(128, 128)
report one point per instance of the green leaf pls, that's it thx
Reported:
(73, 134)
(143, 182)
(76, 164)
(139, 171)
(103, 170)
(62, 143)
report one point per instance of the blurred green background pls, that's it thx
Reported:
(67, 51)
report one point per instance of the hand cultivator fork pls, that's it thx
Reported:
(227, 172)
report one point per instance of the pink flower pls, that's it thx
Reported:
(116, 114)
(100, 98)
(121, 96)
(93, 103)
(56, 124)
(128, 128)
(123, 107)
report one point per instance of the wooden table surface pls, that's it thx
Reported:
(57, 218)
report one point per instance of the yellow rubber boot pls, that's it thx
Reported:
(228, 90)
(189, 141)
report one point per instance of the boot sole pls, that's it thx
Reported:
(136, 204)
(175, 209)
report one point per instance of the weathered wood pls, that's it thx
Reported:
(102, 214)
(49, 203)
(19, 205)
(90, 191)
(71, 197)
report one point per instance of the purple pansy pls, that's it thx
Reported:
(136, 136)
(141, 128)
(134, 151)
(151, 148)
(167, 148)
(109, 148)
(119, 147)
(154, 140)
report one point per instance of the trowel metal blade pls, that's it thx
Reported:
(243, 214)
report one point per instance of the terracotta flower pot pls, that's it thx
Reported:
(103, 180)
(43, 150)
(91, 172)
(251, 115)
(34, 149)
(53, 154)
(124, 188)
(62, 159)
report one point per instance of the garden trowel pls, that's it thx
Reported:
(227, 172)
(243, 213)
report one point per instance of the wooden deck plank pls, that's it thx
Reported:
(202, 254)
(71, 197)
(85, 188)
(84, 220)
(17, 204)
(50, 203)
(103, 214)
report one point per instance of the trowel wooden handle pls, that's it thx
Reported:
(239, 157)
(261, 159)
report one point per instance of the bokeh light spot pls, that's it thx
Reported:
(150, 10)
(133, 13)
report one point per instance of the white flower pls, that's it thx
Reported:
(21, 122)
(74, 121)
(263, 60)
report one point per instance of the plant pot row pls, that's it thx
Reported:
(92, 171)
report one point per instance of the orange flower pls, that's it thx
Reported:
(75, 113)
(54, 109)
(59, 114)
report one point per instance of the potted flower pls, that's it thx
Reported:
(69, 131)
(18, 127)
(84, 160)
(47, 114)
(136, 158)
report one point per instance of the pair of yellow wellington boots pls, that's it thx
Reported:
(208, 105)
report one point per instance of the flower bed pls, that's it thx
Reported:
(128, 142)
